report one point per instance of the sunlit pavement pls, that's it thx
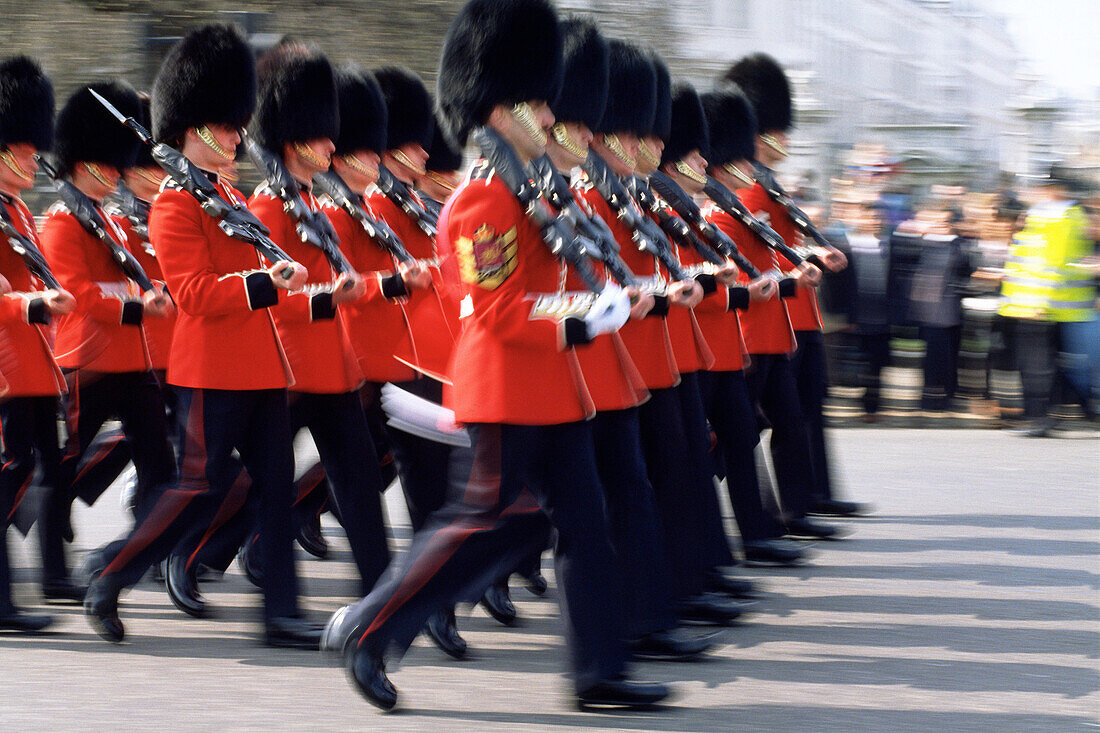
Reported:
(966, 602)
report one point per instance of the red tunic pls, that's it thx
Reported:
(509, 364)
(27, 366)
(765, 326)
(432, 313)
(317, 348)
(219, 341)
(93, 336)
(158, 331)
(375, 323)
(716, 321)
(805, 315)
(647, 340)
(690, 349)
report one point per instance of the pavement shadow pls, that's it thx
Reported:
(980, 573)
(780, 717)
(991, 521)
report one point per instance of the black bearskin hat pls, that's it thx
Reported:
(632, 90)
(362, 111)
(87, 132)
(443, 157)
(409, 106)
(765, 84)
(497, 52)
(144, 157)
(26, 104)
(583, 96)
(298, 100)
(662, 116)
(731, 124)
(208, 77)
(687, 125)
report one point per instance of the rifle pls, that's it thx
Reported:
(732, 205)
(647, 236)
(334, 187)
(25, 247)
(682, 204)
(775, 192)
(558, 193)
(674, 226)
(399, 193)
(85, 212)
(233, 219)
(433, 207)
(312, 226)
(128, 205)
(563, 242)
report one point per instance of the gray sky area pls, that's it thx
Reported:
(1059, 37)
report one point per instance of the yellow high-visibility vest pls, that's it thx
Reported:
(1042, 279)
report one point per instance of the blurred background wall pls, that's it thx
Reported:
(934, 91)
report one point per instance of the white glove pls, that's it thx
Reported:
(609, 311)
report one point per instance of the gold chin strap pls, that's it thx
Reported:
(525, 116)
(739, 174)
(441, 181)
(690, 173)
(207, 137)
(646, 153)
(774, 144)
(150, 177)
(359, 167)
(310, 155)
(97, 174)
(408, 162)
(10, 161)
(616, 147)
(566, 141)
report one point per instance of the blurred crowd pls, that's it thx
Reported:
(997, 284)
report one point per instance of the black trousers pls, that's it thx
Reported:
(422, 466)
(941, 365)
(213, 424)
(28, 428)
(93, 398)
(700, 461)
(772, 386)
(1035, 344)
(637, 536)
(675, 489)
(339, 430)
(485, 528)
(812, 380)
(731, 415)
(875, 349)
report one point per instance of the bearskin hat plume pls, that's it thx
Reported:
(26, 104)
(87, 132)
(497, 52)
(765, 84)
(208, 77)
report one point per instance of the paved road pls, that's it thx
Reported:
(968, 602)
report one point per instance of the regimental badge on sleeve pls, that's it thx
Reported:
(488, 258)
